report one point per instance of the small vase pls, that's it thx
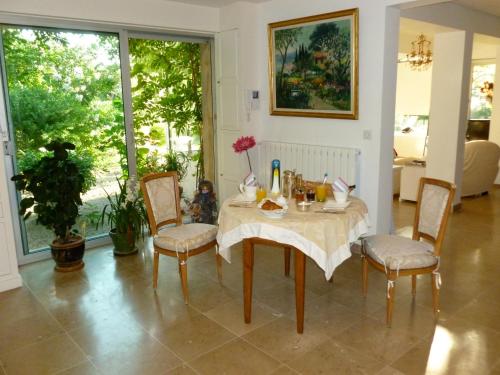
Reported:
(124, 243)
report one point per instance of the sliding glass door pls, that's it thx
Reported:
(66, 85)
(132, 103)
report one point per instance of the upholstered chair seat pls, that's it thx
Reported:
(170, 236)
(397, 253)
(185, 237)
(400, 256)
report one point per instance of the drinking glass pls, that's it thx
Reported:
(261, 193)
(321, 193)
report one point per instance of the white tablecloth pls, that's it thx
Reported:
(324, 237)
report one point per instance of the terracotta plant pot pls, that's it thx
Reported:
(124, 243)
(68, 256)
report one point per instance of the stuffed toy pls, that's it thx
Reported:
(204, 205)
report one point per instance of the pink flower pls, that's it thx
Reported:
(243, 144)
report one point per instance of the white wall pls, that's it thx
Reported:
(149, 13)
(413, 92)
(373, 95)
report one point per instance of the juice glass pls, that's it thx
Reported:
(321, 193)
(261, 193)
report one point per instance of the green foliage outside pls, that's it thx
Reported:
(59, 88)
(166, 97)
(62, 89)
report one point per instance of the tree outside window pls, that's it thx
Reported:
(483, 76)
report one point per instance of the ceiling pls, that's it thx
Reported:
(484, 47)
(486, 6)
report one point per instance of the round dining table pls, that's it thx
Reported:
(325, 235)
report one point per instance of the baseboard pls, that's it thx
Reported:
(10, 282)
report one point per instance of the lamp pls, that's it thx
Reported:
(420, 56)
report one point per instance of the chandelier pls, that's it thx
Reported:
(420, 56)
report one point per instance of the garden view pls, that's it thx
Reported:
(67, 85)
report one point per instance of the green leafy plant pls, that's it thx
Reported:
(125, 210)
(55, 184)
(177, 161)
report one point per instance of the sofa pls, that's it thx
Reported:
(480, 167)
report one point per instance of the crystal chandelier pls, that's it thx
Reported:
(420, 56)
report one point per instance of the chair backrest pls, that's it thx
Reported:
(161, 196)
(434, 202)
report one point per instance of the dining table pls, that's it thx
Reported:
(320, 234)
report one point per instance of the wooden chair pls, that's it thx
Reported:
(170, 236)
(399, 256)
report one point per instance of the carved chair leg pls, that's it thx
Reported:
(413, 285)
(435, 294)
(218, 262)
(156, 261)
(183, 274)
(365, 275)
(391, 289)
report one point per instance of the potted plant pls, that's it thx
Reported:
(126, 215)
(55, 184)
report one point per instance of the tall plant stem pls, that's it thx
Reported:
(248, 158)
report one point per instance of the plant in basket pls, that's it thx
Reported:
(126, 215)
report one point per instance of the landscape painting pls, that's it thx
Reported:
(314, 66)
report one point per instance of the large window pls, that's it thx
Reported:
(78, 86)
(483, 76)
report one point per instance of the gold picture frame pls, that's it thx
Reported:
(313, 66)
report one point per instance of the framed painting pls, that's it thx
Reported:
(313, 66)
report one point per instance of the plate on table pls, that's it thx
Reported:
(276, 213)
(335, 206)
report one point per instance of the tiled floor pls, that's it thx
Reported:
(106, 319)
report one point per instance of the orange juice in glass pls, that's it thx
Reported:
(261, 193)
(321, 193)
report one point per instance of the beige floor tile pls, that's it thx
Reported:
(280, 339)
(18, 304)
(388, 370)
(485, 310)
(330, 357)
(496, 369)
(194, 336)
(281, 297)
(235, 357)
(149, 357)
(230, 316)
(457, 347)
(85, 368)
(205, 294)
(166, 313)
(328, 316)
(104, 336)
(412, 317)
(374, 339)
(19, 333)
(49, 356)
(181, 370)
(284, 370)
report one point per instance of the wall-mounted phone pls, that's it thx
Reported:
(252, 101)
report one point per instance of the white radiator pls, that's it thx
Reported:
(310, 160)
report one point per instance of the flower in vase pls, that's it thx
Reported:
(244, 144)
